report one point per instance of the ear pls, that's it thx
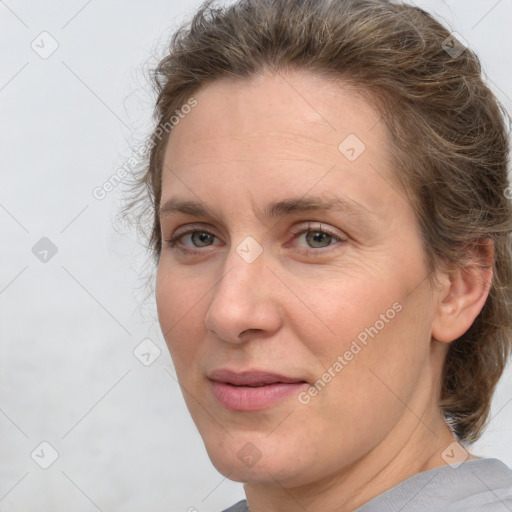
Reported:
(463, 293)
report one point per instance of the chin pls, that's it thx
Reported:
(242, 460)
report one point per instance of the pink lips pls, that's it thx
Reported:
(251, 390)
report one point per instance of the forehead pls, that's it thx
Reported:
(280, 132)
(302, 108)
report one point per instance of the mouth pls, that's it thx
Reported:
(252, 390)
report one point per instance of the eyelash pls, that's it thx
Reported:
(317, 229)
(173, 242)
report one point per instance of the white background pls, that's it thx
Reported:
(69, 326)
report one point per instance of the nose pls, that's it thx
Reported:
(244, 301)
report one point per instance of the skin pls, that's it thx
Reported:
(299, 305)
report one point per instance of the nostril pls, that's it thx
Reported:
(249, 331)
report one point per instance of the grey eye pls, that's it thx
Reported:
(318, 239)
(201, 238)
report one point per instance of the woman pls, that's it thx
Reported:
(328, 185)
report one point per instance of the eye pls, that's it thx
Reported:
(200, 238)
(192, 239)
(317, 237)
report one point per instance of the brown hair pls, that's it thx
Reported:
(450, 144)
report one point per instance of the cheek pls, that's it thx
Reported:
(180, 307)
(358, 329)
(345, 307)
(368, 368)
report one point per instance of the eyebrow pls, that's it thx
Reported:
(273, 210)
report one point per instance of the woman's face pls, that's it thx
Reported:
(295, 254)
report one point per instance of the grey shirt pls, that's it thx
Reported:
(483, 485)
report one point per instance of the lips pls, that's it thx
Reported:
(250, 378)
(252, 390)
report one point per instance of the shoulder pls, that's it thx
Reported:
(241, 506)
(476, 485)
(491, 481)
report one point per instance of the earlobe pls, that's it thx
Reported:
(464, 292)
